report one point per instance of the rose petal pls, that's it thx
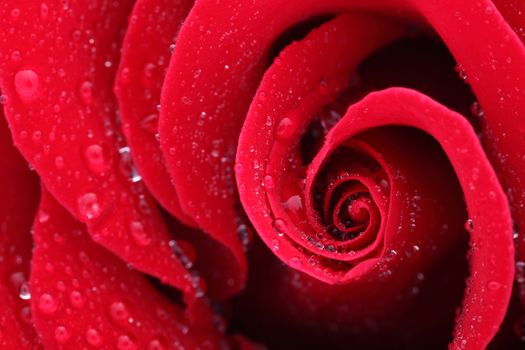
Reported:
(493, 60)
(491, 262)
(57, 73)
(83, 296)
(145, 56)
(263, 153)
(138, 87)
(17, 209)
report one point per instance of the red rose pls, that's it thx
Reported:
(249, 174)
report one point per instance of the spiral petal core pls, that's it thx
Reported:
(386, 184)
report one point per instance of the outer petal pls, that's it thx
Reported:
(151, 33)
(83, 296)
(57, 72)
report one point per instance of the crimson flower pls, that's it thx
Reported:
(258, 174)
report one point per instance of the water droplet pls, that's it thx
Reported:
(493, 285)
(59, 162)
(47, 304)
(461, 73)
(124, 342)
(94, 156)
(294, 203)
(243, 233)
(476, 110)
(285, 128)
(44, 11)
(24, 292)
(76, 299)
(42, 216)
(26, 84)
(275, 245)
(86, 92)
(181, 249)
(89, 206)
(294, 262)
(61, 334)
(93, 337)
(139, 234)
(118, 311)
(124, 75)
(15, 13)
(15, 56)
(268, 182)
(156, 344)
(280, 226)
(469, 225)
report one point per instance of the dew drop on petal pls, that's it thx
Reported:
(294, 203)
(476, 110)
(469, 225)
(61, 334)
(118, 311)
(285, 128)
(94, 156)
(493, 285)
(26, 84)
(139, 234)
(268, 182)
(44, 11)
(86, 92)
(89, 206)
(280, 226)
(124, 342)
(59, 162)
(156, 344)
(47, 303)
(93, 337)
(24, 292)
(76, 299)
(294, 262)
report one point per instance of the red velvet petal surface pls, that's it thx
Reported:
(217, 78)
(263, 154)
(17, 209)
(493, 62)
(266, 154)
(152, 30)
(150, 36)
(84, 297)
(230, 59)
(57, 75)
(491, 256)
